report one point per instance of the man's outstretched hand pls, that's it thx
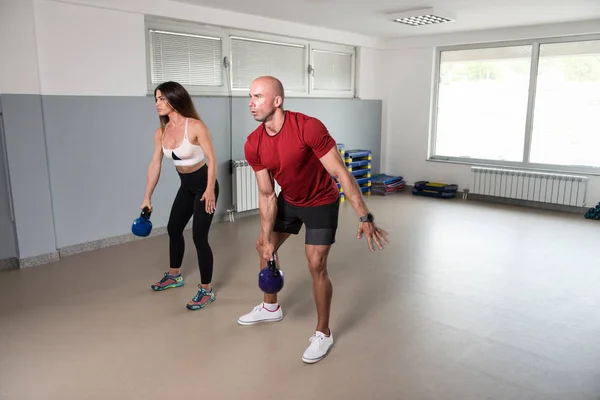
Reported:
(373, 234)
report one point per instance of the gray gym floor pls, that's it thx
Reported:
(470, 301)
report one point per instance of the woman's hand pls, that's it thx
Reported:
(146, 203)
(209, 200)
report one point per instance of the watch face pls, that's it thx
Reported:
(367, 218)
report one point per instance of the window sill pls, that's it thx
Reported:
(590, 171)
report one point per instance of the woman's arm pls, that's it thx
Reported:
(204, 139)
(155, 166)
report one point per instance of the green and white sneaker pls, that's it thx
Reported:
(201, 299)
(168, 281)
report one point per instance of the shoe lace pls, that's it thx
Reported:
(164, 278)
(201, 293)
(257, 308)
(316, 341)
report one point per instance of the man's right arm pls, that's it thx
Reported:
(267, 203)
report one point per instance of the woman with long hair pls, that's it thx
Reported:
(185, 139)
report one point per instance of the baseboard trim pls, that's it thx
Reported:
(39, 260)
(461, 194)
(111, 241)
(15, 263)
(126, 238)
(527, 203)
(8, 264)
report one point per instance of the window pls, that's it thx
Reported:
(252, 58)
(217, 61)
(332, 71)
(191, 60)
(567, 105)
(530, 104)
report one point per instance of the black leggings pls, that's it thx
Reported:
(187, 203)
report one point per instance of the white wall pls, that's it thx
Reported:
(223, 18)
(409, 72)
(372, 84)
(97, 47)
(19, 64)
(90, 51)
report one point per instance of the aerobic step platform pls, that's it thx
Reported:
(357, 164)
(357, 155)
(434, 189)
(362, 182)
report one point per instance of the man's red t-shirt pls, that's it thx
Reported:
(292, 157)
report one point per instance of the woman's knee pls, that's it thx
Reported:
(200, 236)
(174, 229)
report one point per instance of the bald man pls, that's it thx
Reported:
(300, 154)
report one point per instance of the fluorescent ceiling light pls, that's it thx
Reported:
(427, 16)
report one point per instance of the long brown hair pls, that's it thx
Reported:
(179, 99)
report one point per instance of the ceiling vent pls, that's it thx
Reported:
(427, 16)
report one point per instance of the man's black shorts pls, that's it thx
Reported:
(321, 221)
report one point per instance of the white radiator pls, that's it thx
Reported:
(541, 187)
(245, 188)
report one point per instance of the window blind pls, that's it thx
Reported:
(331, 71)
(190, 60)
(253, 58)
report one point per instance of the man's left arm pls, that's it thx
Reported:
(333, 163)
(325, 147)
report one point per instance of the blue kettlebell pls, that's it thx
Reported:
(270, 279)
(142, 226)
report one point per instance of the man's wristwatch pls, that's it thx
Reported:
(367, 218)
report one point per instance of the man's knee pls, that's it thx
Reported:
(317, 258)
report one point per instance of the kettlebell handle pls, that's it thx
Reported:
(272, 264)
(146, 213)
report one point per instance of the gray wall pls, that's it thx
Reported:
(89, 183)
(28, 168)
(8, 244)
(99, 149)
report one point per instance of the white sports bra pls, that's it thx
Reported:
(187, 153)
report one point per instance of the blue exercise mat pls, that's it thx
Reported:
(385, 179)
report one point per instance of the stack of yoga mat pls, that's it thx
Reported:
(383, 184)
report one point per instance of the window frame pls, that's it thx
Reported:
(331, 48)
(192, 29)
(526, 163)
(226, 35)
(258, 37)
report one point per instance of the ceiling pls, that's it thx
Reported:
(368, 17)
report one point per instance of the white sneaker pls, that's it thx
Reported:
(261, 314)
(319, 347)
